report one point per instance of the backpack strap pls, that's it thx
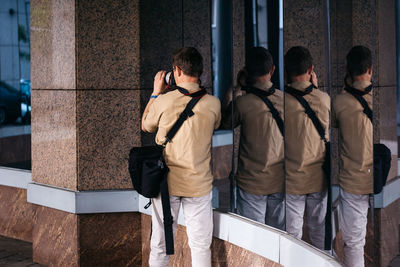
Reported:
(359, 96)
(166, 206)
(309, 111)
(167, 216)
(264, 97)
(186, 113)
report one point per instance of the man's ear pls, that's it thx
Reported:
(178, 71)
(310, 70)
(271, 71)
(369, 71)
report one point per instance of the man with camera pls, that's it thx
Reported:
(356, 153)
(187, 155)
(305, 148)
(260, 172)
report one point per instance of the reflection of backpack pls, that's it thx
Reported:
(149, 172)
(382, 154)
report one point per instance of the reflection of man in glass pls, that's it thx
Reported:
(355, 167)
(260, 174)
(304, 148)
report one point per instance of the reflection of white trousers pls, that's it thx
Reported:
(199, 227)
(315, 207)
(268, 209)
(353, 212)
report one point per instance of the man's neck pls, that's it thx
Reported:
(301, 78)
(188, 79)
(263, 79)
(362, 78)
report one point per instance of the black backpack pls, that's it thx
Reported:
(382, 154)
(149, 172)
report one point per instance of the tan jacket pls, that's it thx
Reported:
(355, 143)
(304, 149)
(260, 165)
(188, 156)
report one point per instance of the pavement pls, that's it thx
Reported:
(15, 253)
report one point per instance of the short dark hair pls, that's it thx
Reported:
(297, 61)
(258, 62)
(359, 60)
(189, 60)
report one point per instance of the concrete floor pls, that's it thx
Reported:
(15, 253)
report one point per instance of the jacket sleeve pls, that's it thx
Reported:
(152, 118)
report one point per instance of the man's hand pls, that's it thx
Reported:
(314, 79)
(159, 85)
(228, 95)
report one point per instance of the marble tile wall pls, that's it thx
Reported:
(221, 161)
(16, 215)
(385, 29)
(304, 25)
(386, 71)
(387, 97)
(238, 37)
(341, 40)
(53, 44)
(89, 131)
(197, 33)
(54, 138)
(388, 233)
(107, 44)
(108, 126)
(81, 139)
(159, 38)
(364, 29)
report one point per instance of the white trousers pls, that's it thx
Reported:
(314, 205)
(198, 216)
(268, 209)
(353, 212)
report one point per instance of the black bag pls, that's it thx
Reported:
(326, 166)
(149, 172)
(382, 154)
(147, 169)
(382, 163)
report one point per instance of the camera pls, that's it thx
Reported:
(169, 79)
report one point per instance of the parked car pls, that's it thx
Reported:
(25, 88)
(15, 103)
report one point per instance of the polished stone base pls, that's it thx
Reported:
(16, 215)
(61, 238)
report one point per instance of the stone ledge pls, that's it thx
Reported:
(83, 202)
